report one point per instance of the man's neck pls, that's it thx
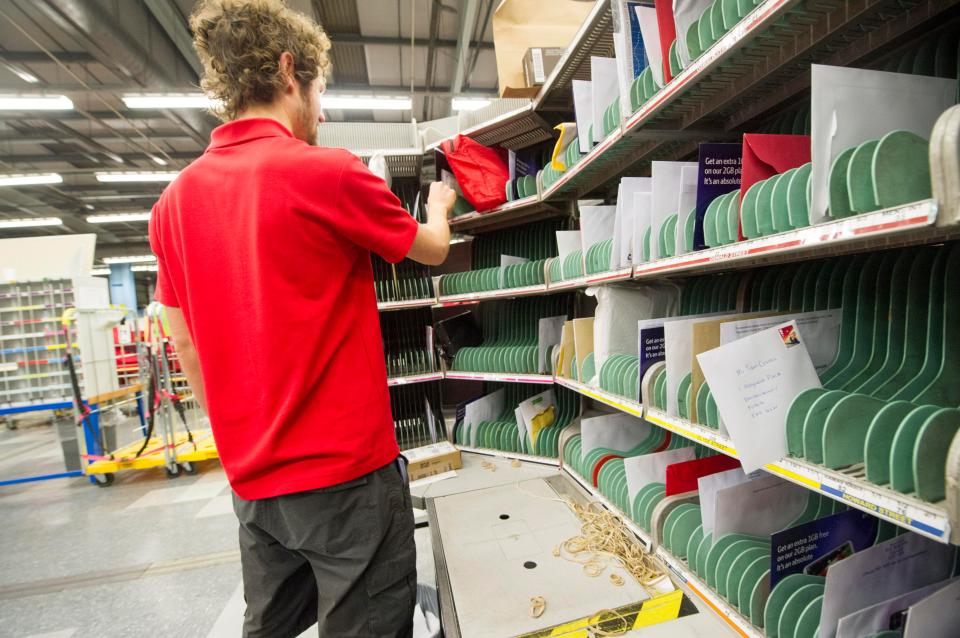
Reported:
(270, 112)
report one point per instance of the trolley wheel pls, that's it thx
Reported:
(188, 468)
(172, 472)
(104, 480)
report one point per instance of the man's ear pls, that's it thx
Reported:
(288, 70)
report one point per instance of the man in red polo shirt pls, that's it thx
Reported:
(263, 246)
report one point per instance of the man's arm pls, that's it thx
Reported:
(432, 242)
(187, 354)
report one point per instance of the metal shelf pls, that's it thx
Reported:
(590, 280)
(614, 401)
(505, 377)
(414, 378)
(525, 210)
(594, 38)
(384, 306)
(908, 224)
(500, 454)
(540, 289)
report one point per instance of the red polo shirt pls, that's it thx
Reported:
(264, 244)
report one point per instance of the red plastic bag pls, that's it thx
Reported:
(480, 172)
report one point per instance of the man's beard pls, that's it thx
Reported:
(306, 123)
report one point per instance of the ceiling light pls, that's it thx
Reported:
(369, 103)
(30, 222)
(22, 74)
(99, 272)
(129, 259)
(119, 217)
(35, 103)
(143, 176)
(158, 160)
(169, 101)
(28, 180)
(144, 268)
(468, 104)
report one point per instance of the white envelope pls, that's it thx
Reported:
(647, 15)
(897, 101)
(686, 205)
(567, 242)
(615, 319)
(486, 408)
(614, 431)
(622, 254)
(596, 225)
(880, 573)
(583, 111)
(549, 331)
(820, 331)
(708, 486)
(876, 618)
(508, 260)
(667, 178)
(532, 407)
(678, 341)
(606, 90)
(652, 468)
(685, 13)
(754, 380)
(936, 616)
(643, 210)
(758, 507)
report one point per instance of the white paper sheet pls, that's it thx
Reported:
(881, 572)
(667, 178)
(622, 254)
(642, 218)
(652, 468)
(509, 260)
(678, 340)
(685, 13)
(758, 507)
(614, 431)
(898, 101)
(647, 17)
(936, 616)
(583, 111)
(708, 486)
(686, 204)
(485, 408)
(754, 381)
(606, 90)
(616, 316)
(533, 407)
(567, 242)
(549, 331)
(820, 331)
(876, 618)
(596, 224)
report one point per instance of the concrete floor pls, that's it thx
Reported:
(146, 556)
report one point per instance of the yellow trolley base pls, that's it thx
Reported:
(203, 448)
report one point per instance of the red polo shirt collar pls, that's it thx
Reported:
(245, 130)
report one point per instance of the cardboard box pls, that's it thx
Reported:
(538, 63)
(432, 459)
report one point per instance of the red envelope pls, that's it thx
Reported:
(682, 477)
(668, 33)
(768, 155)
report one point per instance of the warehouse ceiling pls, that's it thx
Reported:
(96, 51)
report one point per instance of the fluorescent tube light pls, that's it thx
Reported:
(29, 180)
(468, 104)
(35, 103)
(371, 103)
(169, 101)
(129, 259)
(30, 222)
(22, 74)
(143, 176)
(119, 217)
(99, 272)
(144, 268)
(158, 160)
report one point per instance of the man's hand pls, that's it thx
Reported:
(441, 199)
(432, 242)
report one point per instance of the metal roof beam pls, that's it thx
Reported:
(468, 21)
(356, 38)
(169, 18)
(33, 57)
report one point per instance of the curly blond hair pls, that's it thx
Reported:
(239, 43)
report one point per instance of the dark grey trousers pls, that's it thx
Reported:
(341, 556)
